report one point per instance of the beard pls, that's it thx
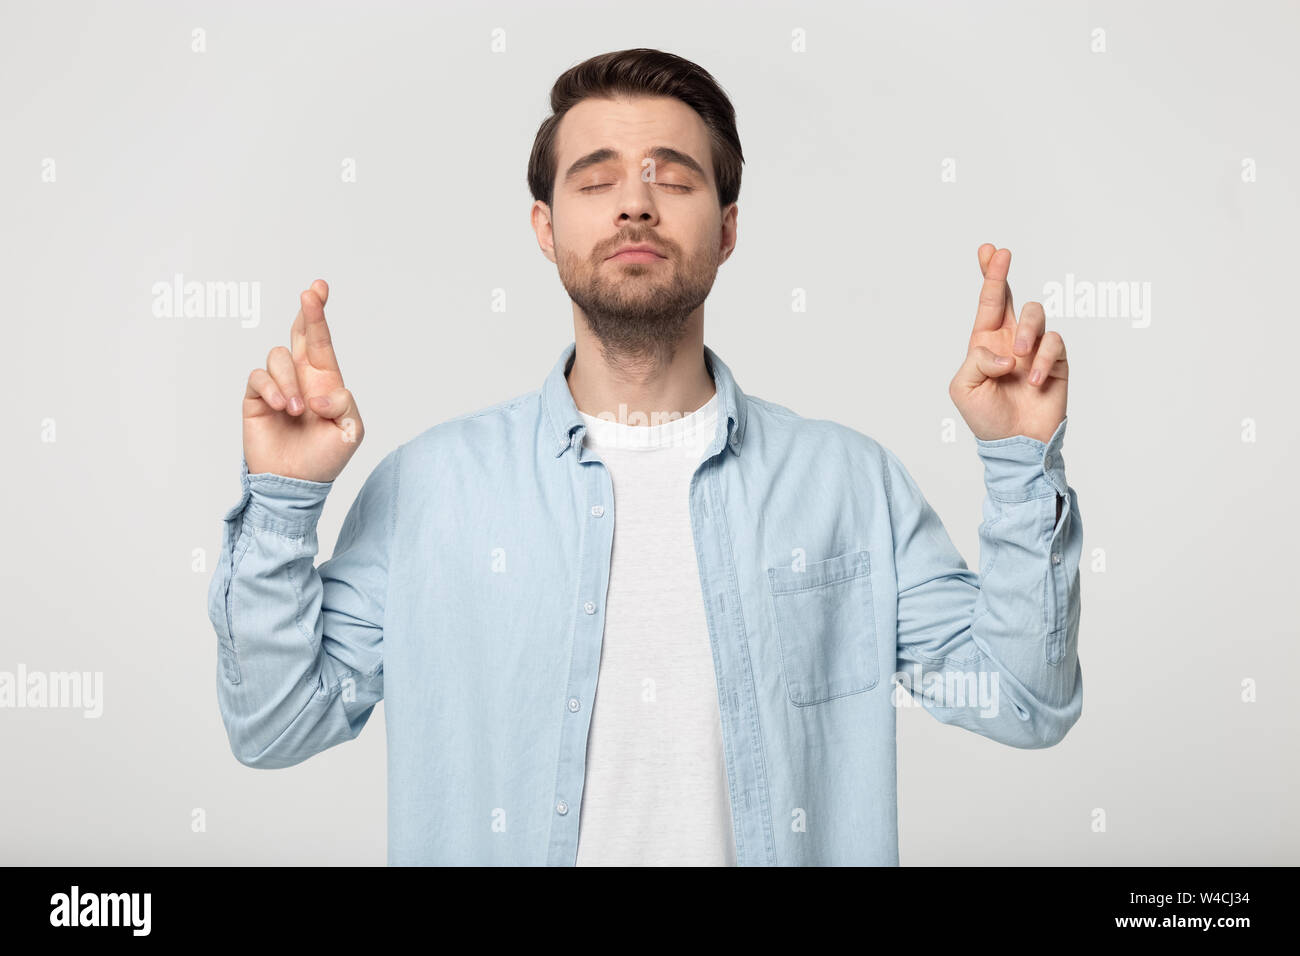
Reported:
(638, 310)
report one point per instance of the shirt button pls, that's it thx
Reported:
(1056, 558)
(561, 808)
(589, 608)
(597, 510)
(574, 705)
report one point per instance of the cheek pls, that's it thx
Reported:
(572, 251)
(704, 246)
(705, 235)
(580, 228)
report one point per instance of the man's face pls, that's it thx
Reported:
(631, 171)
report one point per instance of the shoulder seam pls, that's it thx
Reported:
(772, 407)
(502, 406)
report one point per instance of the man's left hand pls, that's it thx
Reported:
(1026, 395)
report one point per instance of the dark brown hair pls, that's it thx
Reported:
(647, 73)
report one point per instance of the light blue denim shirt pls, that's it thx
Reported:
(467, 591)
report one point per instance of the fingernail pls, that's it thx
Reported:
(1003, 360)
(1022, 343)
(295, 405)
(320, 402)
(1035, 376)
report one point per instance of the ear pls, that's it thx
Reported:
(727, 237)
(540, 216)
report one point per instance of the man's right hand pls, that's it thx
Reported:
(299, 420)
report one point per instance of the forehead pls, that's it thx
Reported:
(631, 125)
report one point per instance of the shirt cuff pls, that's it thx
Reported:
(272, 502)
(1020, 468)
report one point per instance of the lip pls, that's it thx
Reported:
(638, 252)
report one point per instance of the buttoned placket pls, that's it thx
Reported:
(737, 694)
(737, 700)
(596, 549)
(738, 705)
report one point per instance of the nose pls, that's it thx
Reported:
(636, 203)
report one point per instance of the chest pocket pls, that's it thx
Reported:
(826, 625)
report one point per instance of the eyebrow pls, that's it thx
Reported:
(662, 155)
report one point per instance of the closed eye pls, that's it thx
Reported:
(684, 189)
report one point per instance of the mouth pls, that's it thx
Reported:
(636, 257)
(635, 254)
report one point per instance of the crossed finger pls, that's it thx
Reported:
(995, 306)
(310, 335)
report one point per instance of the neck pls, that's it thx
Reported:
(647, 387)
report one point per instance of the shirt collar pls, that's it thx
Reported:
(565, 424)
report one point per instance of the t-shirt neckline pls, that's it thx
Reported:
(692, 428)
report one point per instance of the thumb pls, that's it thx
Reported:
(982, 363)
(340, 407)
(335, 404)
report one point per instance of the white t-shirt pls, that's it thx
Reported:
(656, 781)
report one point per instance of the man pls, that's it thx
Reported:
(636, 616)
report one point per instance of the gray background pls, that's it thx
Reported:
(1123, 165)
